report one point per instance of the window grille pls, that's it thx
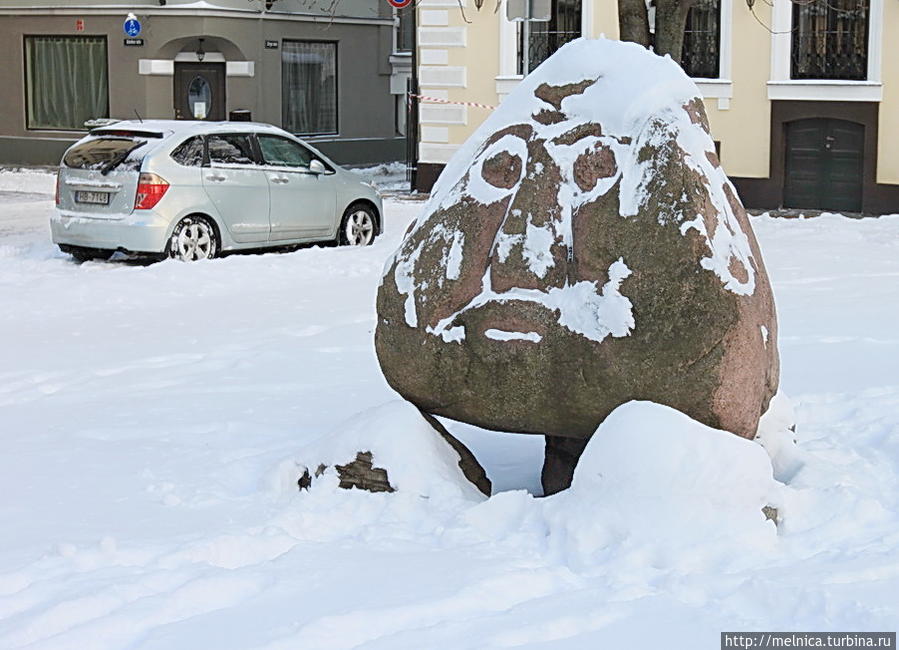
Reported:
(547, 37)
(830, 40)
(701, 55)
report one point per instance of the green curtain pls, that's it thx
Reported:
(68, 81)
(309, 87)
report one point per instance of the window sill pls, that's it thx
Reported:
(506, 83)
(715, 88)
(400, 63)
(826, 90)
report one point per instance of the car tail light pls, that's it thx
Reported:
(150, 189)
(58, 174)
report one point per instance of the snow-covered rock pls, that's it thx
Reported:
(388, 448)
(583, 248)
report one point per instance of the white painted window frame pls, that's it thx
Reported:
(782, 87)
(722, 87)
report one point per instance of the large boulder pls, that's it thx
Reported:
(584, 248)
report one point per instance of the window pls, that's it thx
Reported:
(702, 40)
(190, 152)
(830, 40)
(66, 81)
(405, 28)
(544, 38)
(283, 152)
(309, 87)
(105, 154)
(231, 149)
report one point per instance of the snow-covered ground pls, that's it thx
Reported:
(151, 418)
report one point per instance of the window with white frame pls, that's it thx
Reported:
(830, 40)
(701, 55)
(544, 38)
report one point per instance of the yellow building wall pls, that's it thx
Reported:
(742, 123)
(888, 128)
(744, 126)
(480, 56)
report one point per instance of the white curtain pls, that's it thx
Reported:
(67, 78)
(309, 87)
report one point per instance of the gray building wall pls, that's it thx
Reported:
(366, 109)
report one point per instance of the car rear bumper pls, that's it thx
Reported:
(142, 231)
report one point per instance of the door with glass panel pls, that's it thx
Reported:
(303, 203)
(199, 91)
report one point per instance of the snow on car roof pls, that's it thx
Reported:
(165, 128)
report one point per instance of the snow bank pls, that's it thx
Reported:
(777, 434)
(655, 483)
(139, 519)
(416, 457)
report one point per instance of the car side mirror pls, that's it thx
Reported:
(317, 167)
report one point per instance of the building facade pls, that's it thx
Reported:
(331, 74)
(802, 98)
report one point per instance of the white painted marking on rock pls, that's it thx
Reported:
(504, 335)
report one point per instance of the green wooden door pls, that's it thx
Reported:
(824, 164)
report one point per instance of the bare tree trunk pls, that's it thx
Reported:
(633, 21)
(671, 21)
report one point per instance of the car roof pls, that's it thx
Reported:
(166, 128)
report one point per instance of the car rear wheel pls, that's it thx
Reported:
(358, 226)
(194, 238)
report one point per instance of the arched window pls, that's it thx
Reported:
(830, 40)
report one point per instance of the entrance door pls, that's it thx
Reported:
(824, 165)
(199, 91)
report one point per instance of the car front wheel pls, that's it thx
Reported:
(358, 226)
(193, 239)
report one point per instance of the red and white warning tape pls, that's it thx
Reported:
(425, 98)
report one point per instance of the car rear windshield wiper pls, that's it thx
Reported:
(120, 158)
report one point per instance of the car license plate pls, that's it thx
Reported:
(97, 198)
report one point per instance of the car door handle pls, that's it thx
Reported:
(216, 178)
(279, 179)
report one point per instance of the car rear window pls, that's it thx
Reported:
(105, 154)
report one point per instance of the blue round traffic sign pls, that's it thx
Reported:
(132, 26)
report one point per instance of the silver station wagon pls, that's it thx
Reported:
(191, 190)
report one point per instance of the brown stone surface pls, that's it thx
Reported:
(560, 458)
(696, 345)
